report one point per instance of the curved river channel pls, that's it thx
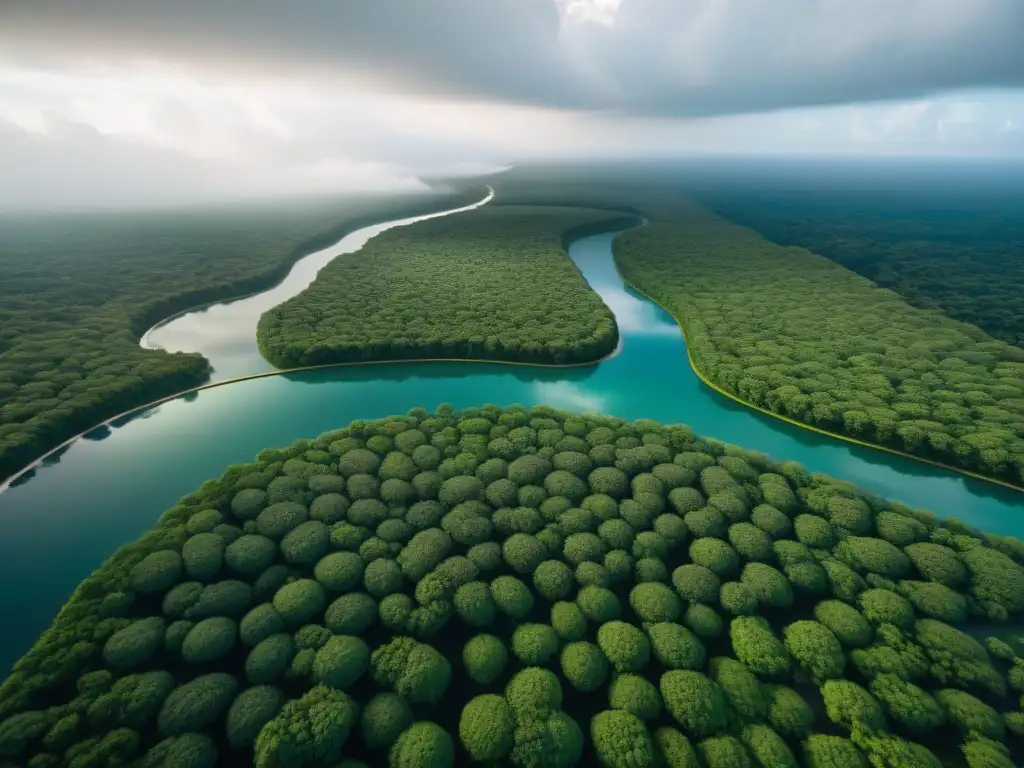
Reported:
(109, 487)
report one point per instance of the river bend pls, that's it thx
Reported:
(109, 487)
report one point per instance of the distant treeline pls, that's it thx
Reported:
(492, 283)
(799, 335)
(77, 292)
(965, 258)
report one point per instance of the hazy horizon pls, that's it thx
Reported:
(116, 103)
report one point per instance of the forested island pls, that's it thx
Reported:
(77, 292)
(801, 336)
(494, 283)
(530, 587)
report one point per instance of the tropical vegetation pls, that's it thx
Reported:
(530, 587)
(493, 283)
(960, 250)
(799, 335)
(78, 291)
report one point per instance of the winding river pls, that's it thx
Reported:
(110, 486)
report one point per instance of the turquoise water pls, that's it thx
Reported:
(101, 492)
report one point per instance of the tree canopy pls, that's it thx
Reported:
(493, 283)
(447, 645)
(801, 336)
(77, 291)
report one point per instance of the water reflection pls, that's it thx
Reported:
(60, 522)
(225, 333)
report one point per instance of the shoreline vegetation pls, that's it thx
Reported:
(69, 353)
(797, 335)
(493, 283)
(818, 430)
(520, 584)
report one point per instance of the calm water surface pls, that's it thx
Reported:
(102, 492)
(225, 333)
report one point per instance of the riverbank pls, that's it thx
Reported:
(110, 486)
(845, 438)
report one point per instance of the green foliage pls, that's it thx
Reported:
(100, 686)
(584, 666)
(851, 706)
(675, 647)
(907, 704)
(970, 715)
(553, 317)
(249, 555)
(415, 670)
(300, 601)
(484, 657)
(957, 657)
(724, 752)
(821, 751)
(384, 717)
(715, 555)
(598, 604)
(788, 713)
(696, 583)
(135, 644)
(351, 614)
(568, 621)
(196, 704)
(696, 702)
(767, 747)
(757, 647)
(249, 712)
(845, 622)
(64, 371)
(937, 563)
(474, 604)
(737, 599)
(156, 572)
(202, 556)
(535, 644)
(533, 692)
(486, 728)
(827, 349)
(703, 621)
(741, 688)
(815, 649)
(209, 640)
(512, 597)
(625, 646)
(768, 585)
(308, 730)
(270, 658)
(636, 695)
(881, 606)
(937, 601)
(621, 740)
(341, 661)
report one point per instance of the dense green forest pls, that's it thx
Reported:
(964, 257)
(533, 588)
(799, 335)
(492, 283)
(77, 292)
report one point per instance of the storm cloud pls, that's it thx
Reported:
(163, 100)
(646, 57)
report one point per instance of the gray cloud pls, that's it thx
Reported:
(75, 167)
(656, 57)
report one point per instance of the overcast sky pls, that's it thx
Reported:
(118, 101)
